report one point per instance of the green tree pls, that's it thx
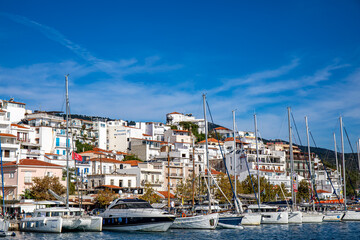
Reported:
(225, 187)
(132, 157)
(26, 194)
(149, 194)
(39, 190)
(303, 191)
(105, 197)
(83, 147)
(268, 192)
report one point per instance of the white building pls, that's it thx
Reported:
(175, 118)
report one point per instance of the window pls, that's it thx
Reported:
(11, 175)
(129, 183)
(120, 183)
(27, 178)
(58, 151)
(112, 182)
(7, 153)
(64, 152)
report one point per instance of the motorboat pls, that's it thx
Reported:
(135, 215)
(270, 214)
(60, 219)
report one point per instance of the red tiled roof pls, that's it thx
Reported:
(7, 135)
(121, 153)
(105, 160)
(237, 140)
(15, 102)
(147, 135)
(175, 130)
(19, 126)
(132, 162)
(211, 140)
(94, 152)
(222, 128)
(31, 162)
(174, 113)
(2, 110)
(214, 172)
(165, 194)
(52, 154)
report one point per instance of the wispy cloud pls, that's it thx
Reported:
(114, 68)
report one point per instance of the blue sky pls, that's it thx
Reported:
(138, 60)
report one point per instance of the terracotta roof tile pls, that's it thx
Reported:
(165, 194)
(132, 162)
(19, 126)
(7, 135)
(31, 162)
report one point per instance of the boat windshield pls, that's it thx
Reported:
(132, 205)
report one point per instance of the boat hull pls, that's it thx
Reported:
(274, 218)
(42, 224)
(295, 217)
(315, 217)
(333, 216)
(351, 216)
(251, 219)
(146, 224)
(209, 221)
(89, 224)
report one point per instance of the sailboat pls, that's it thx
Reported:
(269, 214)
(239, 217)
(60, 219)
(311, 216)
(349, 214)
(205, 221)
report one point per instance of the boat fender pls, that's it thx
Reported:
(183, 215)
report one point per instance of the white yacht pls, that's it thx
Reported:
(333, 216)
(270, 214)
(245, 218)
(295, 217)
(135, 215)
(351, 216)
(60, 219)
(312, 217)
(206, 221)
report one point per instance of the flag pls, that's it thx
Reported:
(76, 156)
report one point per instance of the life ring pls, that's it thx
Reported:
(183, 215)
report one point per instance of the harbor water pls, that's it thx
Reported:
(342, 230)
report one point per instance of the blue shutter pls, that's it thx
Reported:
(57, 142)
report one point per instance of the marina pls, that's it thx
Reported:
(344, 230)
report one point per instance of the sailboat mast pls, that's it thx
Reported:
(309, 152)
(67, 140)
(168, 158)
(336, 160)
(291, 160)
(257, 158)
(207, 151)
(343, 159)
(193, 180)
(234, 163)
(358, 151)
(2, 182)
